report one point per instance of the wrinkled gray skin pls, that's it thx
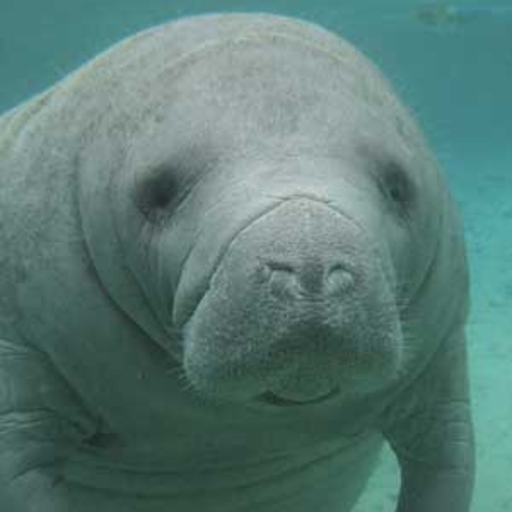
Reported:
(230, 269)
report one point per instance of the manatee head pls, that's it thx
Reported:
(256, 198)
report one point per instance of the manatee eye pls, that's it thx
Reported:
(396, 187)
(155, 193)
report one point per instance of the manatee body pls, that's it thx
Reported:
(230, 270)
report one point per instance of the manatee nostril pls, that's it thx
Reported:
(338, 281)
(287, 282)
(282, 280)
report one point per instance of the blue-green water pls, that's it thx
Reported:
(451, 63)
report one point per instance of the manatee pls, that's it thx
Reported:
(231, 270)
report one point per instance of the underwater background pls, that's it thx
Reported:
(450, 62)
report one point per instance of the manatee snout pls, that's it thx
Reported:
(281, 278)
(298, 306)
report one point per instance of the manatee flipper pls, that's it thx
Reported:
(40, 424)
(432, 438)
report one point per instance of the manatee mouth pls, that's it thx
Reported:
(271, 398)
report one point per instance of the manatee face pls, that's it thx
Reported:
(274, 205)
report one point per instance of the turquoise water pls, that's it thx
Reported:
(452, 63)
